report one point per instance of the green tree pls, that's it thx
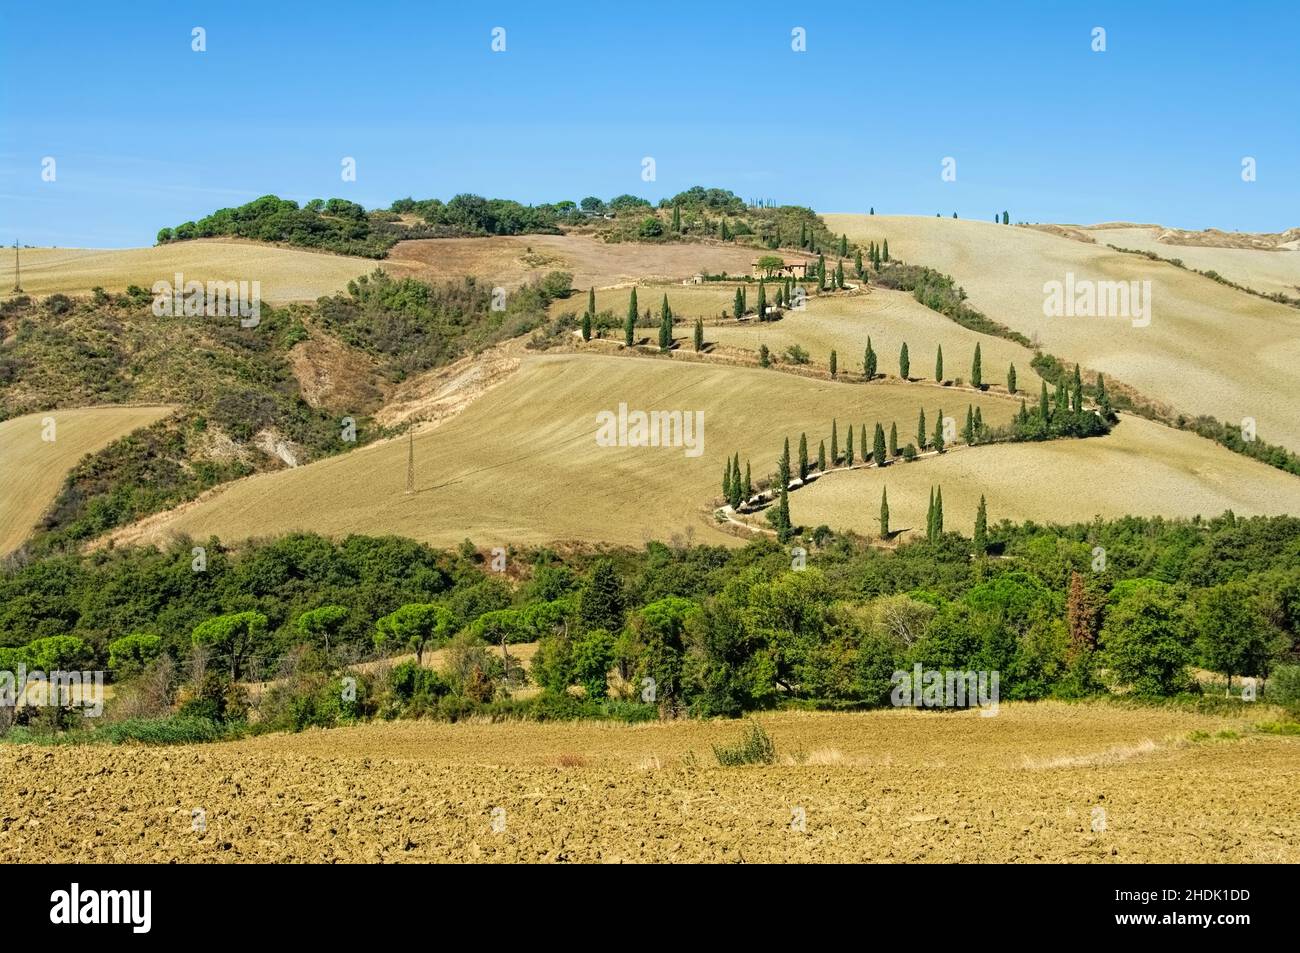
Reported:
(699, 334)
(981, 538)
(869, 361)
(922, 438)
(593, 657)
(968, 432)
(884, 513)
(938, 513)
(803, 456)
(629, 326)
(937, 440)
(586, 326)
(415, 626)
(938, 365)
(878, 450)
(600, 600)
(834, 366)
(762, 302)
(904, 365)
(764, 356)
(666, 326)
(1043, 413)
(129, 655)
(739, 305)
(844, 246)
(1233, 632)
(884, 254)
(821, 457)
(1011, 379)
(1144, 639)
(231, 635)
(835, 443)
(893, 438)
(677, 218)
(848, 445)
(321, 624)
(976, 375)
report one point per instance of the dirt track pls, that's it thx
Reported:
(881, 786)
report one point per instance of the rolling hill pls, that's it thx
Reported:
(1208, 349)
(521, 464)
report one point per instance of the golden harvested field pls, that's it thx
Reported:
(32, 470)
(687, 301)
(890, 318)
(1266, 271)
(286, 274)
(1139, 467)
(1028, 785)
(511, 260)
(521, 464)
(1208, 349)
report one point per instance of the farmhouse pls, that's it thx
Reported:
(789, 269)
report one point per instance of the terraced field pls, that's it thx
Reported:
(1040, 782)
(1208, 349)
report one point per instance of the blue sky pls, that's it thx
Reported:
(146, 133)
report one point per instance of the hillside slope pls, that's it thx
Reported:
(1208, 349)
(32, 469)
(521, 464)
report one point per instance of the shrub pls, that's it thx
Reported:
(1283, 686)
(755, 747)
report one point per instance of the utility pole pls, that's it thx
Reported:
(410, 461)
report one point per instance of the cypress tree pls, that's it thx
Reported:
(878, 451)
(844, 245)
(857, 262)
(873, 210)
(784, 470)
(1103, 401)
(976, 375)
(762, 302)
(863, 442)
(749, 486)
(726, 482)
(744, 300)
(803, 456)
(968, 432)
(1006, 218)
(981, 539)
(1011, 379)
(869, 361)
(591, 302)
(884, 513)
(821, 457)
(764, 356)
(835, 443)
(848, 447)
(739, 305)
(821, 272)
(803, 234)
(1023, 416)
(938, 432)
(929, 517)
(834, 364)
(737, 488)
(586, 326)
(938, 365)
(1042, 404)
(783, 516)
(921, 435)
(666, 326)
(677, 218)
(1062, 401)
(629, 326)
(839, 275)
(699, 334)
(893, 439)
(904, 364)
(979, 425)
(884, 254)
(938, 513)
(1077, 404)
